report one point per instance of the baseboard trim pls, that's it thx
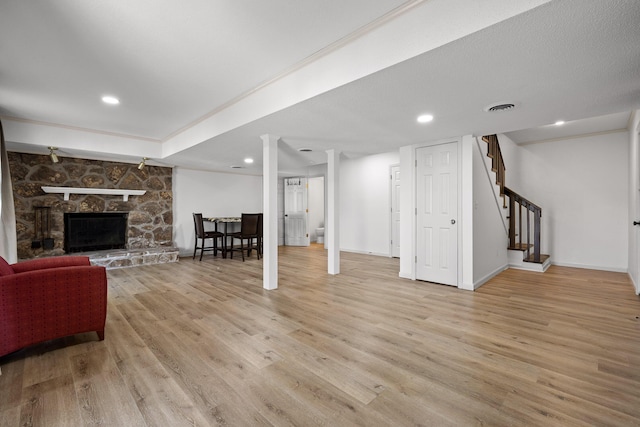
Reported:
(404, 275)
(633, 282)
(354, 251)
(590, 267)
(489, 276)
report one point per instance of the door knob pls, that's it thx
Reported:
(636, 222)
(453, 221)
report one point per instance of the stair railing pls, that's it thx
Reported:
(497, 163)
(517, 204)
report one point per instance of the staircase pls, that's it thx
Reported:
(524, 218)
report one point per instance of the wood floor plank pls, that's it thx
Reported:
(250, 348)
(102, 393)
(160, 400)
(202, 343)
(360, 386)
(314, 392)
(11, 386)
(51, 402)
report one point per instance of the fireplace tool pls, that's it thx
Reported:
(42, 228)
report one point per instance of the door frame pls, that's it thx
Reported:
(634, 265)
(324, 201)
(408, 208)
(456, 148)
(306, 205)
(391, 187)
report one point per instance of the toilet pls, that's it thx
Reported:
(320, 235)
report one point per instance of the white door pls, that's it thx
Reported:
(395, 211)
(295, 212)
(437, 209)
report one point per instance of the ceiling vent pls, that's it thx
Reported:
(499, 107)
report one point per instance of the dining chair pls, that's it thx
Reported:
(259, 238)
(204, 235)
(249, 226)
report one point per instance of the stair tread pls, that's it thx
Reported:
(520, 247)
(543, 258)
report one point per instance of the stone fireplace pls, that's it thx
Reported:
(149, 216)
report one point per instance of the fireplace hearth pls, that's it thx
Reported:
(91, 231)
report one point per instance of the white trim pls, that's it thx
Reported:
(404, 276)
(390, 255)
(636, 288)
(489, 276)
(355, 251)
(78, 128)
(104, 191)
(591, 267)
(565, 138)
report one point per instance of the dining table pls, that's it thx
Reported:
(225, 220)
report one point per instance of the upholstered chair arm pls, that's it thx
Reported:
(40, 305)
(52, 262)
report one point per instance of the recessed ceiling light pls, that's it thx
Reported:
(425, 118)
(248, 160)
(305, 150)
(108, 99)
(559, 123)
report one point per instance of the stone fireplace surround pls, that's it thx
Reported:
(150, 223)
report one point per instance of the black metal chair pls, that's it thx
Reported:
(249, 231)
(204, 235)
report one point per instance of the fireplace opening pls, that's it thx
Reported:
(92, 231)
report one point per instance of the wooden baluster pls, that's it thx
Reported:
(502, 181)
(528, 231)
(520, 222)
(536, 236)
(512, 222)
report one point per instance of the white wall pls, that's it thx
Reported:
(365, 203)
(490, 238)
(582, 186)
(212, 194)
(407, 216)
(634, 199)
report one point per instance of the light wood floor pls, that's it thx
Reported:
(201, 343)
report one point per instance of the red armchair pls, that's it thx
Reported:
(49, 298)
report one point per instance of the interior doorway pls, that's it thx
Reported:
(316, 209)
(437, 211)
(296, 227)
(395, 211)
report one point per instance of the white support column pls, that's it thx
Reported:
(270, 211)
(465, 213)
(332, 231)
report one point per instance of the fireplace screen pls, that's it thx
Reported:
(92, 231)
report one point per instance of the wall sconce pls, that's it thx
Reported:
(142, 164)
(53, 155)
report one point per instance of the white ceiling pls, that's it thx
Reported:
(200, 80)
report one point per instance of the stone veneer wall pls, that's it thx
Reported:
(150, 215)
